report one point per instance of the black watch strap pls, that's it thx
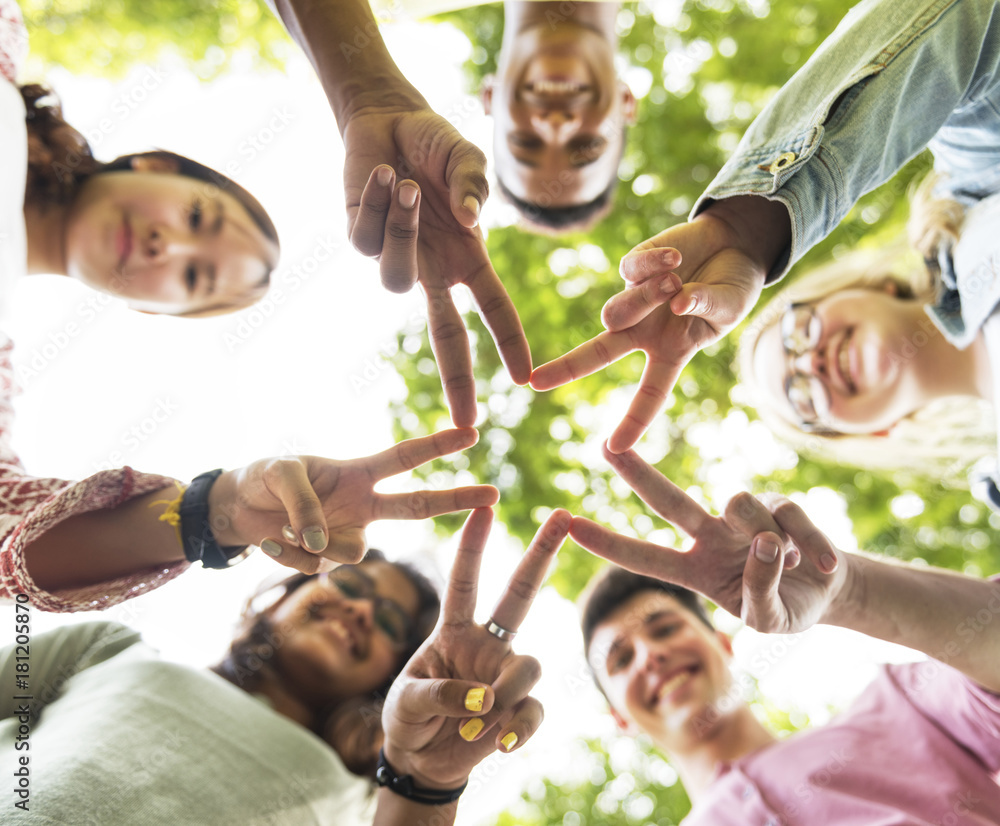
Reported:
(402, 784)
(200, 544)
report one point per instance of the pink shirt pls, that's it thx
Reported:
(921, 746)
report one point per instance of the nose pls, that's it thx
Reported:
(162, 244)
(361, 611)
(556, 124)
(812, 362)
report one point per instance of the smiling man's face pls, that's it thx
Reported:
(559, 116)
(663, 670)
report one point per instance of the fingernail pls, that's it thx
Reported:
(471, 204)
(509, 740)
(766, 551)
(408, 196)
(289, 533)
(314, 539)
(670, 284)
(471, 728)
(669, 258)
(829, 563)
(271, 548)
(384, 176)
(474, 699)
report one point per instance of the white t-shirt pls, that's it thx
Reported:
(119, 737)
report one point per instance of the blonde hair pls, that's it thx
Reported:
(943, 438)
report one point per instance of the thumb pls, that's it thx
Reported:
(422, 699)
(762, 608)
(467, 185)
(305, 513)
(720, 305)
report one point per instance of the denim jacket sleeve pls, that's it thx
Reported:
(871, 98)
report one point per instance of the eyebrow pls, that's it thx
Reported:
(211, 274)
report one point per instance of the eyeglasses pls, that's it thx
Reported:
(801, 330)
(389, 617)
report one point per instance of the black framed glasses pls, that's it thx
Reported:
(801, 330)
(352, 582)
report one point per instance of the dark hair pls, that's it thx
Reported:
(60, 161)
(557, 220)
(352, 728)
(613, 586)
(560, 220)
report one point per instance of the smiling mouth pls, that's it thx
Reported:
(556, 88)
(844, 362)
(679, 679)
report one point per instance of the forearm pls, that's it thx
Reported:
(871, 97)
(394, 810)
(102, 545)
(948, 616)
(344, 45)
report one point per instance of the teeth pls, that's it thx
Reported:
(673, 684)
(555, 87)
(845, 364)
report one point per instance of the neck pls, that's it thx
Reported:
(282, 701)
(944, 370)
(735, 735)
(45, 229)
(521, 15)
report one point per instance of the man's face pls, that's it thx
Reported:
(663, 670)
(559, 113)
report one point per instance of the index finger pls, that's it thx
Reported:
(656, 490)
(658, 379)
(501, 319)
(523, 585)
(591, 356)
(412, 453)
(459, 604)
(450, 343)
(635, 555)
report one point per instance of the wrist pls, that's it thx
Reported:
(849, 592)
(222, 506)
(761, 228)
(403, 765)
(377, 93)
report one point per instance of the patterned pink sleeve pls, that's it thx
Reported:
(13, 40)
(29, 506)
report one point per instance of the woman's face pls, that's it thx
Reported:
(164, 242)
(343, 634)
(845, 363)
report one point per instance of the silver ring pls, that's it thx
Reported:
(500, 633)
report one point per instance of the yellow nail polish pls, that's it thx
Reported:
(474, 699)
(509, 740)
(471, 728)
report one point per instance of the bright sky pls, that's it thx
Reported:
(106, 387)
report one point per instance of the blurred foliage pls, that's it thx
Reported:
(106, 37)
(710, 67)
